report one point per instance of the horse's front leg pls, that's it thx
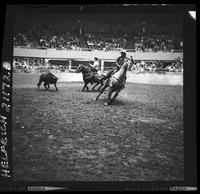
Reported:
(56, 87)
(116, 94)
(102, 90)
(45, 85)
(39, 83)
(85, 86)
(109, 96)
(123, 84)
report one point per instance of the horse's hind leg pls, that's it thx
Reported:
(100, 86)
(102, 90)
(95, 86)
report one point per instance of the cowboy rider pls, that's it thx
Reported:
(121, 59)
(119, 62)
(95, 66)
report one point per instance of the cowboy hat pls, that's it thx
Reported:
(123, 52)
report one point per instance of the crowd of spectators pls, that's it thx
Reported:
(106, 40)
(175, 66)
(48, 38)
(27, 63)
(157, 66)
(54, 38)
(157, 42)
(22, 64)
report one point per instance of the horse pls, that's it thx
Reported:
(91, 76)
(47, 78)
(115, 83)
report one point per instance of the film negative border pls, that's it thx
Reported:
(6, 182)
(6, 100)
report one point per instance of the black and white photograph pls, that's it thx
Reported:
(98, 96)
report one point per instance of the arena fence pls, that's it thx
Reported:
(110, 55)
(139, 78)
(74, 58)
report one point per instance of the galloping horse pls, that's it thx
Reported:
(90, 76)
(116, 83)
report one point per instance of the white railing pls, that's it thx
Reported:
(111, 55)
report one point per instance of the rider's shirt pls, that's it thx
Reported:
(95, 65)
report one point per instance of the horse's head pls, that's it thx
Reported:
(126, 65)
(80, 68)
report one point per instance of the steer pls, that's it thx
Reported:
(47, 78)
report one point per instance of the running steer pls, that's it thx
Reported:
(47, 78)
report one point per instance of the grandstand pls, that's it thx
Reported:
(64, 41)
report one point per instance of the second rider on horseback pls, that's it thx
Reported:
(95, 67)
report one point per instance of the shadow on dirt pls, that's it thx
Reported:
(89, 91)
(119, 102)
(51, 90)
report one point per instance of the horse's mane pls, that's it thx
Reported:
(85, 69)
(84, 66)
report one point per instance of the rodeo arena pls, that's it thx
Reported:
(98, 97)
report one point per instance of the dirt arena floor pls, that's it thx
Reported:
(69, 136)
